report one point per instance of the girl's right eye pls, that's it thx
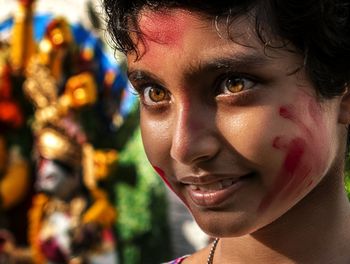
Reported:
(152, 95)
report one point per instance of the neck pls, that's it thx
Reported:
(316, 230)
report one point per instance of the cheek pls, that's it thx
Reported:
(306, 153)
(155, 139)
(161, 173)
(250, 133)
(157, 143)
(164, 177)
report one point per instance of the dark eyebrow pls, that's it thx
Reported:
(235, 63)
(142, 75)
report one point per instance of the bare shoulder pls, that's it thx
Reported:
(199, 257)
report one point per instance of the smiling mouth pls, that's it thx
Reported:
(213, 186)
(218, 185)
(215, 193)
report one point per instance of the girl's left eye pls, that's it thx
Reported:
(233, 84)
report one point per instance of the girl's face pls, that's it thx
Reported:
(232, 127)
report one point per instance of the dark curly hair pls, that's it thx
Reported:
(318, 29)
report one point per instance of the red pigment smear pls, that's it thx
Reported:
(295, 152)
(163, 27)
(314, 108)
(289, 112)
(296, 170)
(280, 143)
(303, 173)
(287, 175)
(161, 173)
(310, 183)
(315, 112)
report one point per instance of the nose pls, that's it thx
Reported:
(194, 136)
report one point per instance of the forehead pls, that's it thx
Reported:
(181, 40)
(170, 28)
(165, 26)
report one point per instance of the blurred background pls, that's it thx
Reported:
(75, 184)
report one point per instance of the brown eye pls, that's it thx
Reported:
(157, 94)
(154, 95)
(235, 84)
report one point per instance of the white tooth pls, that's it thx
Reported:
(211, 187)
(221, 185)
(218, 186)
(194, 187)
(226, 183)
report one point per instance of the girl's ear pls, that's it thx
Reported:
(344, 113)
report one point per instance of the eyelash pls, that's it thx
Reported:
(249, 83)
(141, 88)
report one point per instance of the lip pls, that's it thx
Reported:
(214, 198)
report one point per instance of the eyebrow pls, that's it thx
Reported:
(234, 62)
(138, 75)
(230, 62)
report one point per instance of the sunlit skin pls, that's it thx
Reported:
(164, 28)
(214, 109)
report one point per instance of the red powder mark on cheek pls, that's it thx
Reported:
(290, 176)
(289, 112)
(310, 183)
(161, 173)
(305, 155)
(294, 155)
(280, 143)
(315, 112)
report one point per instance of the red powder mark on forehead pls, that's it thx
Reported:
(163, 27)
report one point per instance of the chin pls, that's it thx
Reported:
(229, 231)
(217, 224)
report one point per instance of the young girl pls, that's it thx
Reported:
(245, 107)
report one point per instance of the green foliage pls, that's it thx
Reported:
(347, 183)
(347, 176)
(142, 225)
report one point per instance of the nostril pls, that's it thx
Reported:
(194, 149)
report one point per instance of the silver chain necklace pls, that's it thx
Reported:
(212, 251)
